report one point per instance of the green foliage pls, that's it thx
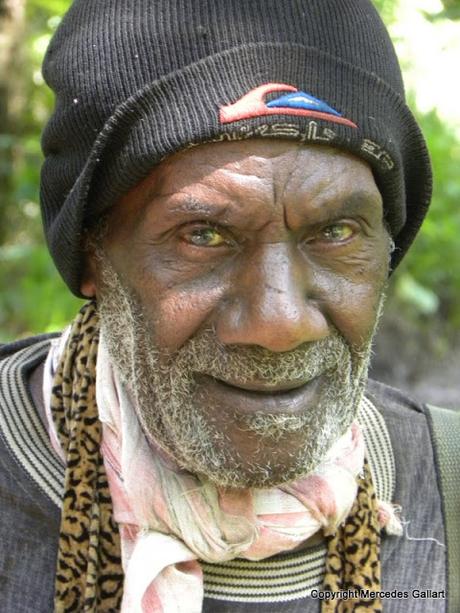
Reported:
(35, 299)
(434, 259)
(451, 10)
(387, 10)
(428, 281)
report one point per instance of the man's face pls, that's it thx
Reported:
(239, 287)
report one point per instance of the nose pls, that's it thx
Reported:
(272, 302)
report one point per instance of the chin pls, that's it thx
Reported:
(262, 478)
(261, 470)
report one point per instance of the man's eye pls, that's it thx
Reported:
(337, 232)
(205, 237)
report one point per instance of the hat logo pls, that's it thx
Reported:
(292, 102)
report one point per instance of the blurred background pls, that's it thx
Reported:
(418, 345)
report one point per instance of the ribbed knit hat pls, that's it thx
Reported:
(137, 80)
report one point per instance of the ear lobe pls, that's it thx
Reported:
(88, 289)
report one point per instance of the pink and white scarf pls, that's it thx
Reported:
(169, 519)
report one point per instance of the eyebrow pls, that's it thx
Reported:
(190, 205)
(364, 203)
(359, 199)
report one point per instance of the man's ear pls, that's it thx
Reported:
(92, 243)
(88, 286)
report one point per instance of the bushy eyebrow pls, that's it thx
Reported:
(189, 206)
(194, 205)
(357, 203)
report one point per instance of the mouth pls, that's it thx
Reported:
(290, 398)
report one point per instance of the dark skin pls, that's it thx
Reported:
(269, 243)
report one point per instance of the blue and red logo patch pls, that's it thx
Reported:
(292, 102)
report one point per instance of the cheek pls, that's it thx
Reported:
(352, 302)
(178, 313)
(354, 312)
(176, 301)
(353, 305)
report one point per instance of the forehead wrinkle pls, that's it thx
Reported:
(280, 182)
(297, 197)
(249, 190)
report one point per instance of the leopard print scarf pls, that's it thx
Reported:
(89, 573)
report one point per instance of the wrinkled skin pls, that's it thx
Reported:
(268, 244)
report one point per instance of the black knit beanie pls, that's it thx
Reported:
(137, 80)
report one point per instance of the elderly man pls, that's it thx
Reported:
(230, 183)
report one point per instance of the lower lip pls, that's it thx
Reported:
(239, 400)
